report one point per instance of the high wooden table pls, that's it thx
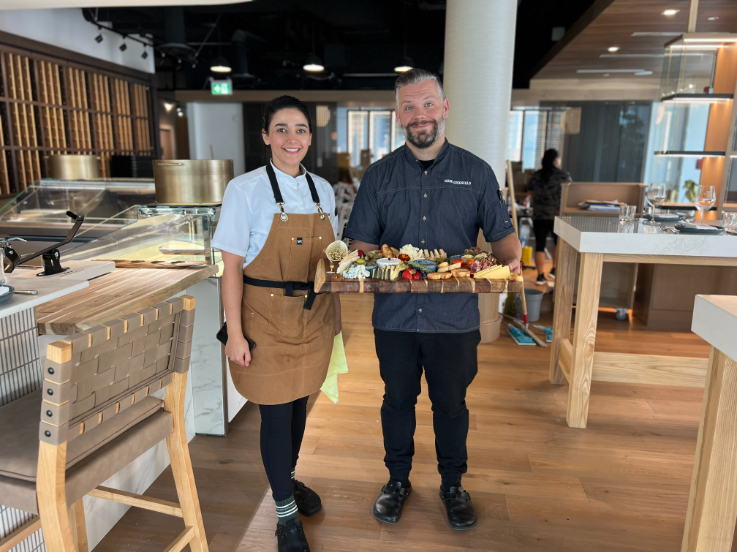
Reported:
(712, 504)
(602, 239)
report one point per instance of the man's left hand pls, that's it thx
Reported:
(514, 266)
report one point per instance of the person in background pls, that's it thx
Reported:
(433, 195)
(545, 188)
(274, 225)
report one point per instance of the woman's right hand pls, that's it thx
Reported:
(237, 350)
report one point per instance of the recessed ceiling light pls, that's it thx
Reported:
(613, 48)
(655, 33)
(643, 73)
(605, 75)
(670, 12)
(713, 18)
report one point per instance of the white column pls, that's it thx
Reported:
(479, 50)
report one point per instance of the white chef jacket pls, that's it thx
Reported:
(249, 207)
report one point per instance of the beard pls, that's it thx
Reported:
(426, 138)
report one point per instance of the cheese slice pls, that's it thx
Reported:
(494, 273)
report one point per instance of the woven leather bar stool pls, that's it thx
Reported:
(97, 416)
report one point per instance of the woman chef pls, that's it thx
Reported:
(275, 223)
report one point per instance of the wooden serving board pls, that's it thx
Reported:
(332, 283)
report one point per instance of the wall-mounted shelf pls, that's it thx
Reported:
(691, 153)
(697, 98)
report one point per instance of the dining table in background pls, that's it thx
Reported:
(597, 240)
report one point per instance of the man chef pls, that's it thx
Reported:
(433, 195)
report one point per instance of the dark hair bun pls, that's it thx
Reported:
(285, 102)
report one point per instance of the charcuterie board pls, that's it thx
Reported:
(326, 282)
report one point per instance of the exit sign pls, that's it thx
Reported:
(221, 87)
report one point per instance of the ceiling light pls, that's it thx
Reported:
(654, 56)
(613, 48)
(313, 64)
(98, 38)
(605, 75)
(168, 106)
(123, 47)
(655, 33)
(643, 73)
(609, 70)
(405, 64)
(713, 18)
(670, 12)
(220, 65)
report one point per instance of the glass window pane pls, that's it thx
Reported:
(380, 133)
(514, 137)
(357, 135)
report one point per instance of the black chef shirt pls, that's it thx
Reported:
(441, 206)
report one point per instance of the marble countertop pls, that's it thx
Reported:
(715, 321)
(607, 235)
(48, 290)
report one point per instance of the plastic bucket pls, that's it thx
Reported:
(534, 300)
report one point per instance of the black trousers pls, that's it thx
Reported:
(282, 430)
(542, 229)
(450, 364)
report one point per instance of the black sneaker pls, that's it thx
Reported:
(388, 507)
(308, 501)
(291, 537)
(552, 273)
(541, 280)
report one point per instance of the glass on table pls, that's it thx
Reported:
(705, 199)
(730, 221)
(627, 213)
(655, 196)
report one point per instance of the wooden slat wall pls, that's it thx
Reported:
(49, 107)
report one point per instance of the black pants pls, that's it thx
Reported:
(282, 429)
(450, 364)
(542, 228)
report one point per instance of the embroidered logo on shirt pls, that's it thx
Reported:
(463, 182)
(299, 241)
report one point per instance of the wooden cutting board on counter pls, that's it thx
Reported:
(121, 292)
(332, 283)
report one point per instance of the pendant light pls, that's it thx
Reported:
(313, 63)
(405, 64)
(220, 64)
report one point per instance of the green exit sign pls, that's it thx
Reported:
(221, 87)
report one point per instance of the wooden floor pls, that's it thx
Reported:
(622, 484)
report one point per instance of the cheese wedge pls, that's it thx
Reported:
(494, 273)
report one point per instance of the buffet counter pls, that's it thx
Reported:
(599, 240)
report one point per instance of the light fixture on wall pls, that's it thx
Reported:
(220, 65)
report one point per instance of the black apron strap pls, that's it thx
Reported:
(288, 288)
(313, 190)
(274, 184)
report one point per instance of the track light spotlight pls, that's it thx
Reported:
(144, 55)
(98, 38)
(123, 47)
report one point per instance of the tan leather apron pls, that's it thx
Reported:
(292, 327)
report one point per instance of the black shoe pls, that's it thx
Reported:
(308, 502)
(388, 507)
(541, 280)
(461, 514)
(552, 273)
(291, 537)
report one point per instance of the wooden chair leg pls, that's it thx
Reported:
(181, 464)
(51, 495)
(79, 526)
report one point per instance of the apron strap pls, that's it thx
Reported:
(288, 288)
(280, 200)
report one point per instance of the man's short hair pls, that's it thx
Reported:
(415, 76)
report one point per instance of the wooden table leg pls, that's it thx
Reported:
(712, 504)
(565, 278)
(584, 338)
